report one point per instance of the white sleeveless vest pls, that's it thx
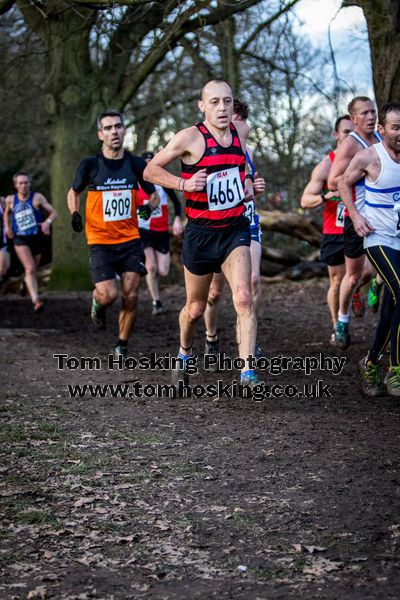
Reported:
(382, 202)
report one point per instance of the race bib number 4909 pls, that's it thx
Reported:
(117, 205)
(224, 189)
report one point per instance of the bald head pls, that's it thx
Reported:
(212, 85)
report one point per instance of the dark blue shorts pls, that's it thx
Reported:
(108, 260)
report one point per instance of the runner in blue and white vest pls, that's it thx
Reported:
(379, 223)
(362, 112)
(24, 224)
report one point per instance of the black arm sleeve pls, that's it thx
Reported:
(86, 170)
(175, 201)
(138, 166)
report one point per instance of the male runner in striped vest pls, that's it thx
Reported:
(217, 236)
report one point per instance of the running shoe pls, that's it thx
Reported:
(158, 308)
(212, 348)
(248, 382)
(358, 304)
(371, 384)
(374, 293)
(38, 306)
(342, 335)
(98, 314)
(179, 375)
(392, 381)
(258, 352)
(120, 351)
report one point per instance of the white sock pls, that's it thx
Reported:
(344, 318)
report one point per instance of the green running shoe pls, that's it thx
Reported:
(371, 384)
(392, 381)
(342, 335)
(374, 293)
(120, 351)
(98, 314)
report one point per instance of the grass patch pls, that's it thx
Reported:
(13, 434)
(138, 438)
(68, 278)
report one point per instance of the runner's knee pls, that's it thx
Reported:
(195, 310)
(243, 300)
(129, 299)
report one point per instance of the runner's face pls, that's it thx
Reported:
(345, 127)
(22, 185)
(217, 105)
(112, 133)
(364, 116)
(391, 131)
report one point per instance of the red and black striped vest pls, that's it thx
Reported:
(215, 158)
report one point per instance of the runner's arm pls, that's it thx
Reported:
(176, 148)
(73, 201)
(343, 156)
(177, 227)
(312, 197)
(52, 214)
(355, 171)
(7, 217)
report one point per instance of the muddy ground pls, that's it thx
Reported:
(193, 498)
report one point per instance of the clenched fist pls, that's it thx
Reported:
(197, 182)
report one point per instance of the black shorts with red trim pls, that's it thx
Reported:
(158, 240)
(109, 260)
(353, 243)
(332, 249)
(205, 249)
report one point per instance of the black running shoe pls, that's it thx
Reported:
(98, 314)
(212, 348)
(258, 352)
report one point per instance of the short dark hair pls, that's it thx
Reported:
(23, 174)
(393, 106)
(214, 81)
(353, 102)
(240, 108)
(109, 113)
(340, 119)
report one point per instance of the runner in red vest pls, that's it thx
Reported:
(332, 247)
(154, 233)
(217, 236)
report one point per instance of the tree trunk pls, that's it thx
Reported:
(383, 20)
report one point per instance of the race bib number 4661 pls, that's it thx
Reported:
(224, 189)
(117, 205)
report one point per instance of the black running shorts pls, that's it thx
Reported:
(108, 260)
(34, 242)
(204, 249)
(332, 249)
(158, 240)
(353, 243)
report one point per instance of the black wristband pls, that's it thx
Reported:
(323, 197)
(249, 176)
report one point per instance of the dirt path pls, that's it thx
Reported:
(193, 498)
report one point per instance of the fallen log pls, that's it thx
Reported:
(291, 223)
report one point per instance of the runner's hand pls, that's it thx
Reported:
(259, 184)
(76, 222)
(197, 182)
(361, 225)
(144, 211)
